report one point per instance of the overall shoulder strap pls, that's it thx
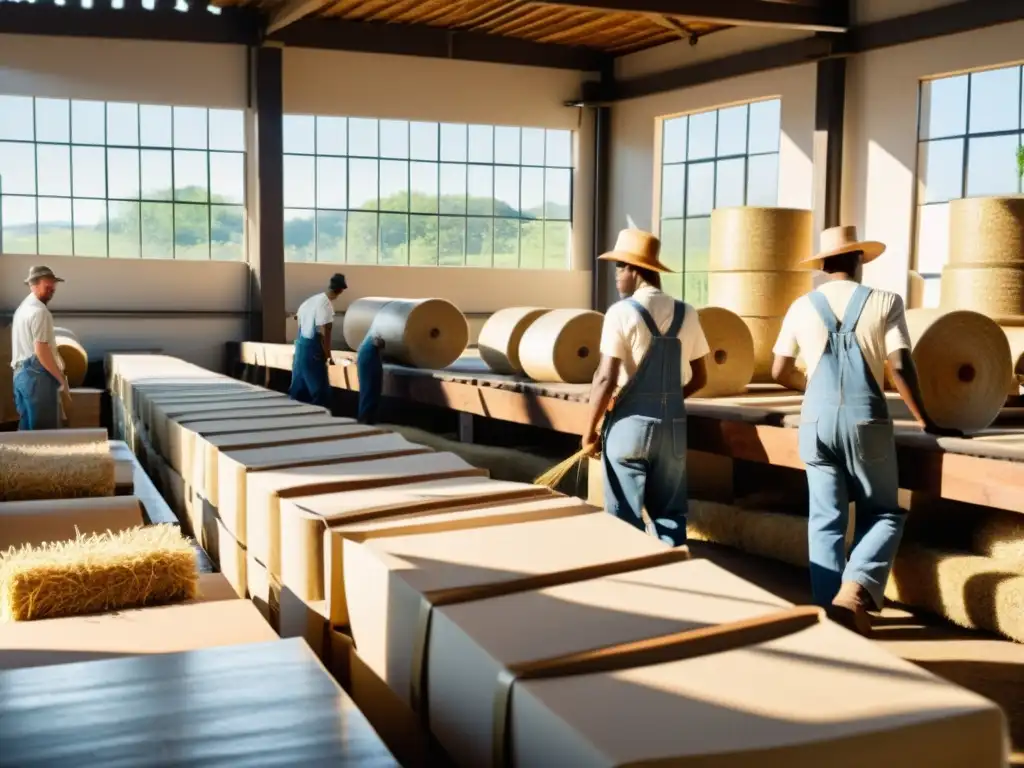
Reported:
(855, 307)
(678, 316)
(821, 306)
(645, 316)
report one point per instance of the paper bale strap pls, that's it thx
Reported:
(76, 359)
(760, 239)
(993, 290)
(758, 294)
(501, 335)
(730, 364)
(677, 646)
(421, 333)
(987, 230)
(441, 598)
(964, 363)
(562, 346)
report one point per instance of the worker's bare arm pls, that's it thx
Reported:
(785, 372)
(904, 377)
(44, 353)
(601, 392)
(699, 377)
(325, 339)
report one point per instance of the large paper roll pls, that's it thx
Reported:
(987, 230)
(730, 364)
(963, 362)
(501, 335)
(760, 239)
(758, 294)
(358, 319)
(421, 333)
(61, 331)
(1015, 335)
(76, 360)
(562, 346)
(995, 291)
(765, 332)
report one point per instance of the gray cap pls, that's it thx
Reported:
(40, 273)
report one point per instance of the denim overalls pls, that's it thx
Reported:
(371, 380)
(846, 442)
(36, 396)
(309, 372)
(644, 438)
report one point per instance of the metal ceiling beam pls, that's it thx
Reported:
(291, 12)
(965, 16)
(814, 16)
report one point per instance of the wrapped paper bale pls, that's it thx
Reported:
(996, 291)
(963, 360)
(758, 294)
(37, 522)
(987, 231)
(61, 331)
(759, 239)
(730, 364)
(501, 335)
(420, 333)
(92, 574)
(60, 464)
(563, 345)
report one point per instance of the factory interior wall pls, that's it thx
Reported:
(880, 148)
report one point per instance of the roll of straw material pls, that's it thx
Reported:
(75, 358)
(963, 362)
(758, 294)
(359, 317)
(915, 290)
(1015, 336)
(501, 335)
(765, 332)
(730, 365)
(987, 230)
(562, 346)
(989, 289)
(422, 333)
(760, 239)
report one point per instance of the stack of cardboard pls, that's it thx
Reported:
(86, 408)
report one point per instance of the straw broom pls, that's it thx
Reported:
(554, 476)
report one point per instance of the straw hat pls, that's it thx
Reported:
(838, 240)
(638, 249)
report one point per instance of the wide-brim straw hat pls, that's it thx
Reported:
(41, 273)
(638, 249)
(839, 240)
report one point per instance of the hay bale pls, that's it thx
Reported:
(55, 470)
(777, 535)
(106, 572)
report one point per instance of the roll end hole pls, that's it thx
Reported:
(435, 332)
(966, 373)
(583, 353)
(721, 356)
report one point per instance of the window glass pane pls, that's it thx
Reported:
(90, 217)
(362, 237)
(533, 146)
(672, 243)
(559, 149)
(506, 191)
(423, 183)
(532, 194)
(227, 233)
(53, 120)
(481, 144)
(506, 243)
(125, 230)
(227, 177)
(479, 242)
(88, 122)
(932, 291)
(363, 189)
(452, 241)
(531, 245)
(227, 130)
(673, 190)
(423, 241)
(940, 169)
(362, 139)
(298, 133)
(423, 141)
(331, 136)
(190, 128)
(331, 182)
(191, 177)
(672, 284)
(19, 223)
(453, 142)
(394, 138)
(480, 190)
(700, 189)
(299, 231)
(330, 236)
(674, 140)
(191, 232)
(299, 186)
(556, 244)
(506, 145)
(995, 97)
(992, 166)
(123, 171)
(54, 164)
(123, 124)
(557, 194)
(394, 187)
(701, 138)
(763, 180)
(17, 169)
(394, 239)
(55, 230)
(944, 107)
(89, 171)
(698, 245)
(453, 190)
(695, 288)
(16, 121)
(765, 126)
(155, 127)
(156, 175)
(732, 131)
(729, 183)
(932, 238)
(157, 231)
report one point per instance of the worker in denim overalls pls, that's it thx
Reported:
(310, 383)
(846, 437)
(646, 339)
(370, 370)
(38, 381)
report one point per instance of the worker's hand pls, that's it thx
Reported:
(591, 444)
(330, 361)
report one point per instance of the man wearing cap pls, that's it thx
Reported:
(846, 332)
(653, 352)
(38, 379)
(315, 316)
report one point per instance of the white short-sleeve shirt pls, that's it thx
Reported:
(881, 330)
(314, 312)
(32, 322)
(625, 335)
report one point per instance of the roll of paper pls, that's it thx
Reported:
(760, 239)
(562, 346)
(501, 335)
(730, 365)
(758, 294)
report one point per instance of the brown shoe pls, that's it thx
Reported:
(850, 608)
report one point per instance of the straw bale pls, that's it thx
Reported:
(30, 471)
(91, 574)
(956, 525)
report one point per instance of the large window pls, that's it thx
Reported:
(365, 191)
(725, 157)
(93, 178)
(970, 127)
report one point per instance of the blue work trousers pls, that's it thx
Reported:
(36, 396)
(310, 383)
